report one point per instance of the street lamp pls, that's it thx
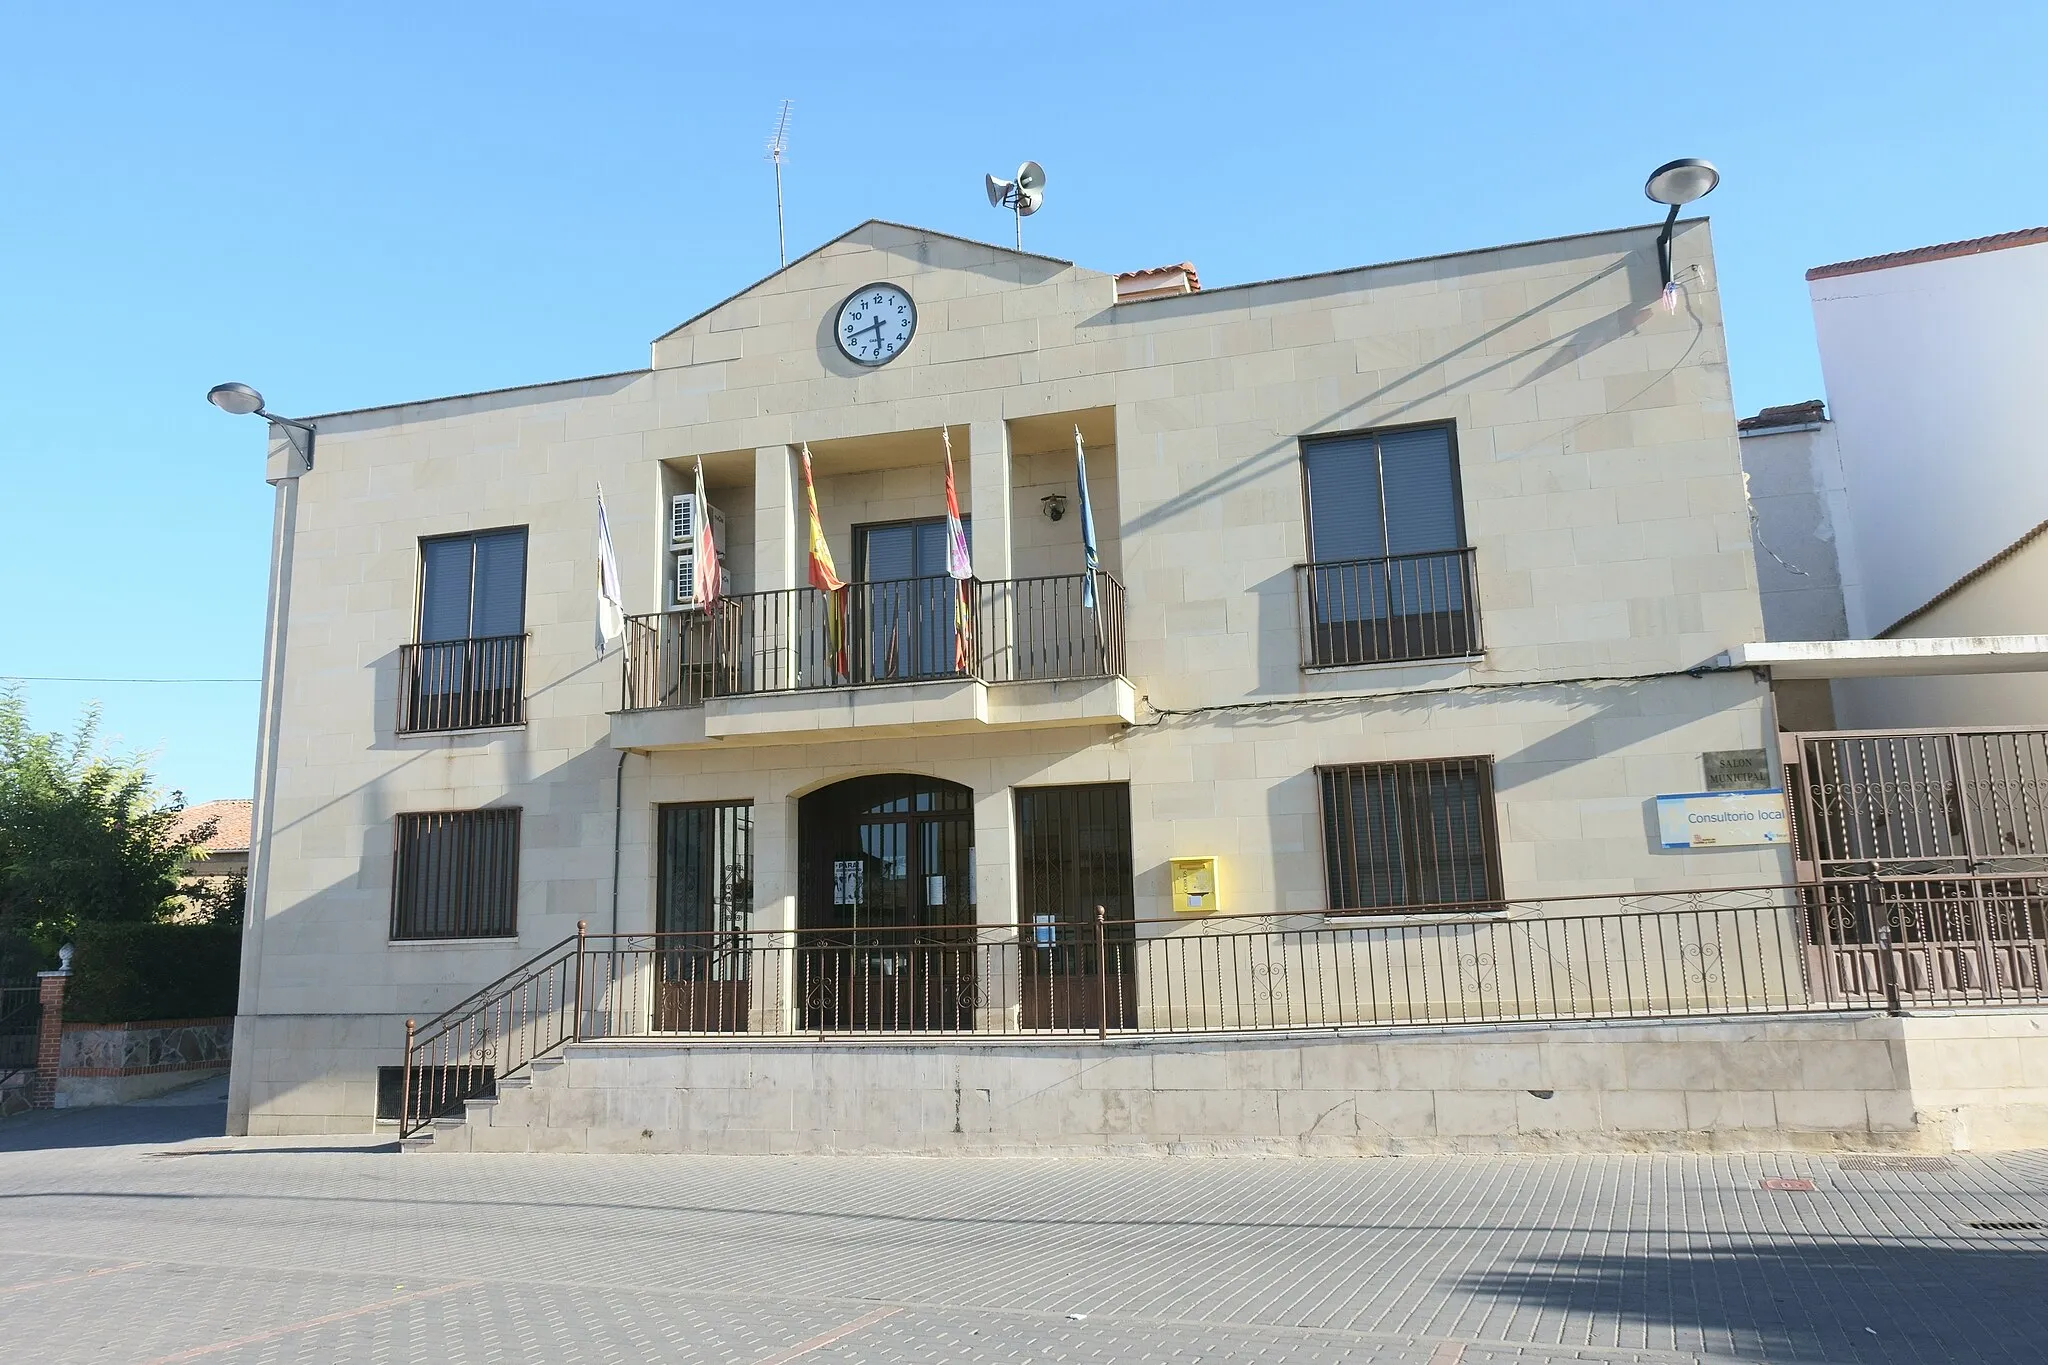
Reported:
(241, 400)
(1677, 183)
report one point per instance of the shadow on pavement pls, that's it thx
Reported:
(197, 1111)
(1816, 1301)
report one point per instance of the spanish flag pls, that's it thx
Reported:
(825, 577)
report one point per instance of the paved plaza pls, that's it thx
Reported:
(136, 1234)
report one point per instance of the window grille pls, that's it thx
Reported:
(457, 875)
(1410, 834)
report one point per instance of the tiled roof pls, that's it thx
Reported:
(1966, 580)
(1786, 415)
(1157, 282)
(230, 824)
(1940, 252)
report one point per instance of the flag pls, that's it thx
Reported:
(611, 604)
(1092, 561)
(960, 564)
(825, 577)
(709, 581)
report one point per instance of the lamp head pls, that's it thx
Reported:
(1681, 182)
(239, 399)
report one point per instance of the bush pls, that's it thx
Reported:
(130, 973)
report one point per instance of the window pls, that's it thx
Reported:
(468, 669)
(1410, 834)
(1389, 576)
(911, 614)
(473, 586)
(457, 875)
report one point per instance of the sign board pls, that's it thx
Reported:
(849, 881)
(1194, 884)
(1736, 770)
(1722, 819)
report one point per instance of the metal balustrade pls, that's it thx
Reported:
(1371, 611)
(1869, 944)
(900, 630)
(462, 684)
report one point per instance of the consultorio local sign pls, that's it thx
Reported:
(1722, 819)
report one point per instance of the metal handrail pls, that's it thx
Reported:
(471, 684)
(1878, 943)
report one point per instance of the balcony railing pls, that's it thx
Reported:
(901, 630)
(1374, 611)
(462, 684)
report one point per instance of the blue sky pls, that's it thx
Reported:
(354, 205)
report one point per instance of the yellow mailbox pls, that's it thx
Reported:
(1195, 889)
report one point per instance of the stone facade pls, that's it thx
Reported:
(112, 1063)
(1976, 1080)
(1602, 496)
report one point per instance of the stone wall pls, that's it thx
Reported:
(112, 1063)
(1835, 1082)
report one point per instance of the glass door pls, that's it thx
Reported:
(913, 615)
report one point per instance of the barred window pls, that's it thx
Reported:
(1410, 834)
(457, 875)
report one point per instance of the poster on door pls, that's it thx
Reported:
(849, 881)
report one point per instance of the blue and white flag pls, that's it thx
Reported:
(611, 603)
(1093, 560)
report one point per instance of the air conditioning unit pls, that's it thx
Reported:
(685, 577)
(683, 514)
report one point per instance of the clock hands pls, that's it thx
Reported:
(877, 330)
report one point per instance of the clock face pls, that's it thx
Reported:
(875, 324)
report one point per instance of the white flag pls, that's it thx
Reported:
(611, 604)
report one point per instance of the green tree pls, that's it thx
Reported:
(84, 835)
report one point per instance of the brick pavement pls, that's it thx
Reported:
(125, 1235)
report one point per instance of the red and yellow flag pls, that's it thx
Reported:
(825, 576)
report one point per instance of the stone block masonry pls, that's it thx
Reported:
(113, 1063)
(1844, 1082)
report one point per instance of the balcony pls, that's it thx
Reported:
(462, 684)
(908, 656)
(1400, 609)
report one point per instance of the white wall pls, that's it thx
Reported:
(1934, 377)
(1800, 531)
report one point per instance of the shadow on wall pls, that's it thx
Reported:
(1825, 1302)
(1567, 349)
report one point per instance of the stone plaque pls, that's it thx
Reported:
(1737, 770)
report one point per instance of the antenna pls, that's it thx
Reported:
(778, 148)
(1023, 196)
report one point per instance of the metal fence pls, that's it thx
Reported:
(901, 630)
(1368, 611)
(461, 684)
(21, 1013)
(1864, 945)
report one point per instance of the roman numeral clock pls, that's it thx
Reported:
(875, 323)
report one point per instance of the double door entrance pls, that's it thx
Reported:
(887, 937)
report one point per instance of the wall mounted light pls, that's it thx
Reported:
(241, 400)
(1677, 183)
(1055, 505)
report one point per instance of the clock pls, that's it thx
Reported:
(875, 323)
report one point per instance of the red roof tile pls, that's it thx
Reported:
(1941, 252)
(230, 824)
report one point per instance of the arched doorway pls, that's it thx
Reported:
(885, 904)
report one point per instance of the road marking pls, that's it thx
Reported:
(67, 1279)
(804, 1348)
(216, 1347)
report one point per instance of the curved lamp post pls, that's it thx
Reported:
(1677, 183)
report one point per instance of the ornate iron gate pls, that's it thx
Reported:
(1926, 858)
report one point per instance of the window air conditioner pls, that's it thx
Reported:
(682, 523)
